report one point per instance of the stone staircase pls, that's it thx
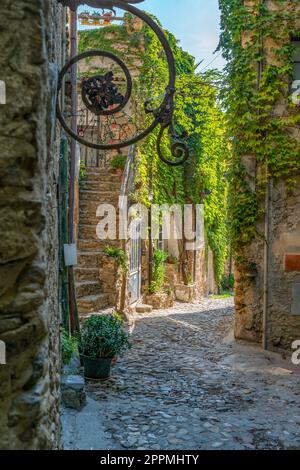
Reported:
(100, 186)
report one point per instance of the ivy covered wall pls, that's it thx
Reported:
(263, 125)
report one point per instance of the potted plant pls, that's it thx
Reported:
(102, 339)
(118, 163)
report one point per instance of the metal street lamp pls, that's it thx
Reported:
(104, 99)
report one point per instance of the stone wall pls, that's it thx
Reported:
(283, 318)
(30, 37)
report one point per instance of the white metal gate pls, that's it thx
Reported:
(135, 272)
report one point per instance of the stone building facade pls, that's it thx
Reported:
(268, 285)
(29, 266)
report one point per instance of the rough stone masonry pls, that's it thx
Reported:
(283, 289)
(29, 157)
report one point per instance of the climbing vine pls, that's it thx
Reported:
(256, 42)
(199, 113)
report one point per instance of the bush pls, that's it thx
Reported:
(103, 336)
(227, 283)
(119, 255)
(158, 271)
(119, 161)
(69, 346)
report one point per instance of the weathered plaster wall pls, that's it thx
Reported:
(283, 327)
(30, 37)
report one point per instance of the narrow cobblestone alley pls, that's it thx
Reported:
(186, 384)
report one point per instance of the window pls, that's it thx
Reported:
(295, 86)
(296, 58)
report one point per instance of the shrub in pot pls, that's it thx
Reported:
(102, 339)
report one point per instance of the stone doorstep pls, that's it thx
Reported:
(143, 308)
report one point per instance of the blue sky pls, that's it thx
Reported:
(194, 22)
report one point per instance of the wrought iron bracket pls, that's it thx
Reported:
(100, 92)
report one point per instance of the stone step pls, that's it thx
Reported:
(92, 303)
(84, 274)
(93, 221)
(88, 233)
(90, 260)
(98, 169)
(94, 176)
(90, 209)
(96, 246)
(143, 308)
(113, 186)
(104, 311)
(91, 206)
(88, 199)
(87, 288)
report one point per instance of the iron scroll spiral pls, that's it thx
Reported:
(101, 95)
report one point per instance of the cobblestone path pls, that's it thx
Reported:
(186, 384)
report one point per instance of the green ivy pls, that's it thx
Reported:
(198, 112)
(250, 102)
(158, 271)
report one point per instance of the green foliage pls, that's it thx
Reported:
(250, 98)
(103, 336)
(82, 174)
(69, 346)
(224, 295)
(227, 283)
(119, 255)
(158, 271)
(119, 161)
(198, 112)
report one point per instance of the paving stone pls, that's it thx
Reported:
(181, 386)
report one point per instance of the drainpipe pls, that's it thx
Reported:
(268, 212)
(63, 199)
(267, 229)
(150, 234)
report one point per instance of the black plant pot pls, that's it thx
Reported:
(97, 368)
